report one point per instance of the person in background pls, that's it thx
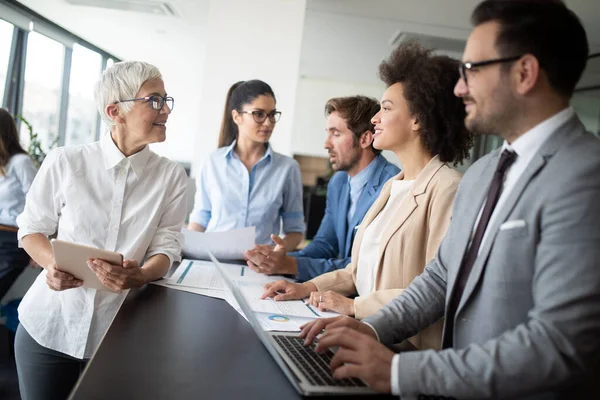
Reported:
(16, 174)
(517, 275)
(421, 121)
(114, 194)
(244, 182)
(360, 174)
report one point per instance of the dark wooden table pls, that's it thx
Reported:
(169, 344)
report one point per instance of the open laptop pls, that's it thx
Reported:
(308, 371)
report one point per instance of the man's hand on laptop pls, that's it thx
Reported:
(359, 355)
(271, 260)
(312, 329)
(284, 290)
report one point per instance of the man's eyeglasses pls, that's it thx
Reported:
(468, 66)
(157, 102)
(260, 116)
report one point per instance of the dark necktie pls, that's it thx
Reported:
(506, 160)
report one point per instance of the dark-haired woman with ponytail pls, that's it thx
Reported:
(244, 182)
(16, 174)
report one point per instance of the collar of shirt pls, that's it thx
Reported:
(530, 142)
(229, 154)
(112, 156)
(358, 181)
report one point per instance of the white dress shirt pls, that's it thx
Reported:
(526, 146)
(367, 267)
(19, 173)
(94, 195)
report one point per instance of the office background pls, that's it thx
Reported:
(53, 51)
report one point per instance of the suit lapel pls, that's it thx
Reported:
(343, 205)
(533, 168)
(469, 215)
(408, 205)
(364, 202)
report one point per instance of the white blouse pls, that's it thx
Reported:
(19, 173)
(94, 195)
(367, 267)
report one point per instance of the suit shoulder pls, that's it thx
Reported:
(390, 170)
(446, 177)
(338, 179)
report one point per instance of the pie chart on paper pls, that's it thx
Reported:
(279, 318)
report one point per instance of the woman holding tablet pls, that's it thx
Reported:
(115, 195)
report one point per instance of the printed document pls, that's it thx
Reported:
(229, 245)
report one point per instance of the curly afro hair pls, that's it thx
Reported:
(428, 82)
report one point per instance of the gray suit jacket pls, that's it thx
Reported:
(529, 319)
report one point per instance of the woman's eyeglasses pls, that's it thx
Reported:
(260, 116)
(156, 102)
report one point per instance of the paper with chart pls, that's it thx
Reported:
(198, 274)
(252, 292)
(278, 322)
(229, 245)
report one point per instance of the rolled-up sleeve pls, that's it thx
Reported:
(168, 239)
(202, 206)
(45, 198)
(292, 214)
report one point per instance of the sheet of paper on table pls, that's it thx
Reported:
(229, 245)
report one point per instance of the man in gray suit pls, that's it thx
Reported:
(517, 275)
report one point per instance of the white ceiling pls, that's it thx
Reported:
(347, 39)
(343, 40)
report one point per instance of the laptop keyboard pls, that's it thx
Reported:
(315, 366)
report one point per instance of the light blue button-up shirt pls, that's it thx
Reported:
(228, 197)
(20, 172)
(357, 184)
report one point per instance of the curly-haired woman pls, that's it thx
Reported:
(421, 121)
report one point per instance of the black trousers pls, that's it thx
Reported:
(13, 260)
(44, 374)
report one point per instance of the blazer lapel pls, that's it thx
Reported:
(408, 205)
(363, 204)
(370, 216)
(342, 221)
(469, 215)
(535, 165)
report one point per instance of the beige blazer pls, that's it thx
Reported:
(408, 244)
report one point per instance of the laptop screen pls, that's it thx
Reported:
(262, 335)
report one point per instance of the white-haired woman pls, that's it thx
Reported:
(114, 194)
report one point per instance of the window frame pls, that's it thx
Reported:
(25, 20)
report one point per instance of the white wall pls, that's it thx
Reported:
(250, 40)
(313, 93)
(341, 53)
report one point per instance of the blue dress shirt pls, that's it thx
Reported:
(331, 247)
(357, 184)
(228, 197)
(20, 172)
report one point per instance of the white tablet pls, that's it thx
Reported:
(72, 258)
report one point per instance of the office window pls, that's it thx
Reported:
(82, 115)
(41, 97)
(6, 35)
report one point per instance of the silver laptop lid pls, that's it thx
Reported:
(262, 335)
